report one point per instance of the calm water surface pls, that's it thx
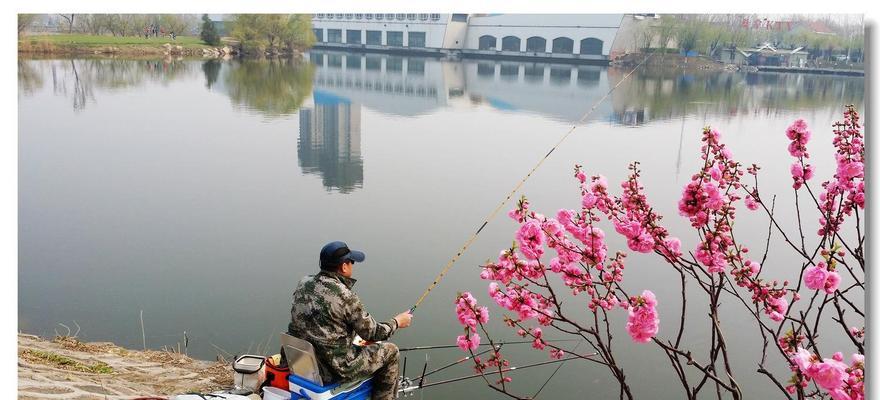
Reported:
(201, 191)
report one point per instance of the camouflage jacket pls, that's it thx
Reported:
(327, 313)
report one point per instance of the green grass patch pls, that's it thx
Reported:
(63, 362)
(104, 40)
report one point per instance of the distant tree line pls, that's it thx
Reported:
(112, 24)
(708, 34)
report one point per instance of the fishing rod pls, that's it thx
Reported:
(460, 360)
(517, 368)
(449, 346)
(522, 181)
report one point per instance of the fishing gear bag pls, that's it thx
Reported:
(277, 372)
(249, 372)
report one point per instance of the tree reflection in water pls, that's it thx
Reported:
(275, 88)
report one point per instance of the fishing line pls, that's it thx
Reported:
(518, 186)
(554, 372)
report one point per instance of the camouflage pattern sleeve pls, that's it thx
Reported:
(365, 325)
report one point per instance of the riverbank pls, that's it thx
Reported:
(76, 44)
(65, 368)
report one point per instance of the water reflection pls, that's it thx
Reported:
(211, 68)
(411, 86)
(275, 88)
(658, 94)
(330, 142)
(79, 79)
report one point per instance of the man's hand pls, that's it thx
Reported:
(403, 319)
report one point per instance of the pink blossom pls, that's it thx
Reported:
(751, 204)
(850, 170)
(831, 282)
(803, 360)
(556, 353)
(830, 374)
(643, 322)
(468, 343)
(814, 277)
(671, 248)
(531, 239)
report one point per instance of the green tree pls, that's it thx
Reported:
(209, 31)
(273, 33)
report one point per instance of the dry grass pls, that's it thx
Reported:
(62, 362)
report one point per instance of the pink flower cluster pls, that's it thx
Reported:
(842, 195)
(634, 218)
(799, 136)
(820, 276)
(708, 201)
(527, 304)
(643, 322)
(751, 200)
(469, 315)
(839, 380)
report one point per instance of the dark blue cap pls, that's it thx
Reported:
(335, 253)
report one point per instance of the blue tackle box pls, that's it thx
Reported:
(301, 388)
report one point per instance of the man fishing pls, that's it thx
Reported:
(328, 314)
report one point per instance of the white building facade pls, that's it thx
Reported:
(563, 37)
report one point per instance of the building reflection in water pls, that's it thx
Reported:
(330, 142)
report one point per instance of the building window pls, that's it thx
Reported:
(591, 46)
(536, 44)
(411, 17)
(319, 34)
(368, 16)
(487, 42)
(319, 16)
(334, 35)
(423, 17)
(329, 16)
(400, 17)
(415, 66)
(349, 16)
(359, 16)
(459, 17)
(435, 17)
(374, 38)
(563, 45)
(417, 39)
(374, 63)
(353, 36)
(510, 43)
(340, 16)
(394, 38)
(389, 17)
(380, 17)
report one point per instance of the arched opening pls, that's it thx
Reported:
(536, 44)
(488, 42)
(510, 43)
(563, 45)
(591, 46)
